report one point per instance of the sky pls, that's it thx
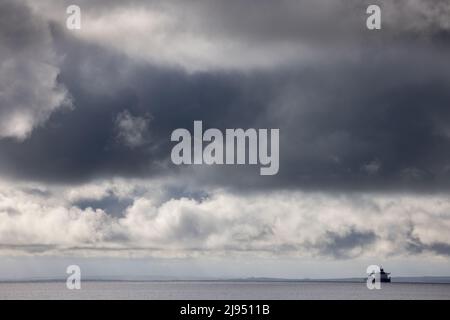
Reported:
(86, 117)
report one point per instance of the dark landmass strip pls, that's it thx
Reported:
(427, 279)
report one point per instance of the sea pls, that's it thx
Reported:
(221, 290)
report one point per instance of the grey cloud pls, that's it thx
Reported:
(416, 246)
(440, 248)
(81, 143)
(110, 204)
(334, 117)
(382, 101)
(28, 72)
(131, 130)
(237, 35)
(341, 245)
(279, 21)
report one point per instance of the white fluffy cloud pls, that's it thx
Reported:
(37, 219)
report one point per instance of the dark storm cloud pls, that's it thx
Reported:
(416, 246)
(373, 115)
(28, 70)
(341, 246)
(82, 143)
(440, 248)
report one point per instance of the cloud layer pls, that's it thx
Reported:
(364, 110)
(40, 220)
(86, 117)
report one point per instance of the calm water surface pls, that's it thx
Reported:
(193, 290)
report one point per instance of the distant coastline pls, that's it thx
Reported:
(404, 279)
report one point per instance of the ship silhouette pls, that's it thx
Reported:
(382, 275)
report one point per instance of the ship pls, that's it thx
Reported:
(383, 276)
